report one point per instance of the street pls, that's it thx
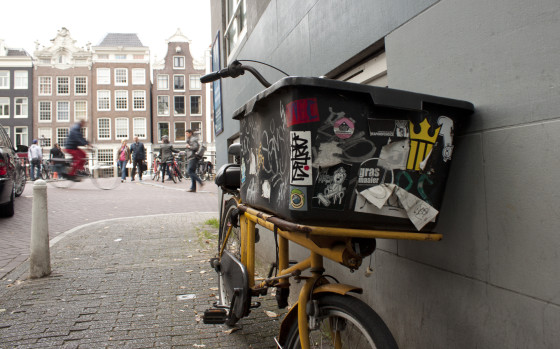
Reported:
(83, 203)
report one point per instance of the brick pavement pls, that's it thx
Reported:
(115, 284)
(83, 203)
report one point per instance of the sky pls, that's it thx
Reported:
(26, 21)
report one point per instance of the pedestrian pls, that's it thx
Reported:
(124, 155)
(138, 157)
(56, 158)
(192, 159)
(76, 139)
(34, 156)
(166, 155)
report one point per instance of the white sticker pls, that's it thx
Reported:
(300, 158)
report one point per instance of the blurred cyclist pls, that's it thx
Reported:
(75, 139)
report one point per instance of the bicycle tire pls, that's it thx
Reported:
(44, 173)
(61, 182)
(358, 325)
(177, 173)
(102, 176)
(233, 245)
(155, 172)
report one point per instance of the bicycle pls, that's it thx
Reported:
(326, 314)
(45, 169)
(101, 173)
(156, 168)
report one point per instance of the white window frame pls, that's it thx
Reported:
(45, 134)
(42, 111)
(138, 76)
(194, 82)
(21, 80)
(199, 132)
(235, 20)
(161, 79)
(177, 76)
(23, 135)
(84, 84)
(23, 106)
(167, 113)
(5, 112)
(4, 79)
(60, 138)
(59, 84)
(78, 109)
(159, 135)
(105, 94)
(103, 76)
(121, 128)
(199, 105)
(181, 61)
(140, 97)
(45, 86)
(184, 106)
(121, 76)
(58, 109)
(120, 97)
(184, 136)
(108, 121)
(139, 128)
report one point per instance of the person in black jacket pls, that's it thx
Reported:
(56, 158)
(192, 158)
(74, 140)
(166, 154)
(138, 157)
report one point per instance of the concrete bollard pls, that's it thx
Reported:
(40, 258)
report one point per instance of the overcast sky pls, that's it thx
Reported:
(26, 21)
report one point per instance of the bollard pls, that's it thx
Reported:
(39, 259)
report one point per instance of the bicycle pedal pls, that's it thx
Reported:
(214, 316)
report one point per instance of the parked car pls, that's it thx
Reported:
(12, 175)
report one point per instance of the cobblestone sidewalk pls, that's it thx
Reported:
(127, 283)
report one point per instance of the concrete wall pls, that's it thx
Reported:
(492, 282)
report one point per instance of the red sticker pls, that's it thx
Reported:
(302, 111)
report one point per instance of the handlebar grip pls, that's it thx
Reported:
(210, 77)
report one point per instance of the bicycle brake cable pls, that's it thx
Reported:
(268, 65)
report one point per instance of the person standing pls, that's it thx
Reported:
(56, 158)
(192, 158)
(74, 140)
(138, 157)
(166, 154)
(35, 156)
(124, 155)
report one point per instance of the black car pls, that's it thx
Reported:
(12, 175)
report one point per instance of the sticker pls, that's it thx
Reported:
(266, 190)
(331, 186)
(300, 158)
(394, 155)
(302, 111)
(421, 144)
(298, 198)
(344, 128)
(447, 133)
(242, 171)
(388, 128)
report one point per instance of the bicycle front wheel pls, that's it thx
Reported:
(44, 173)
(103, 176)
(344, 322)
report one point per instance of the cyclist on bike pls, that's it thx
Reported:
(166, 155)
(76, 139)
(192, 158)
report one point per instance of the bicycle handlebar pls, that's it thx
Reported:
(233, 70)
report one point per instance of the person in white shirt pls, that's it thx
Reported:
(35, 156)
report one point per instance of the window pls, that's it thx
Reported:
(121, 76)
(103, 100)
(80, 110)
(163, 82)
(179, 105)
(20, 79)
(4, 79)
(45, 85)
(121, 128)
(196, 127)
(138, 76)
(103, 56)
(62, 136)
(178, 62)
(163, 105)
(21, 107)
(4, 107)
(139, 127)
(45, 111)
(120, 56)
(180, 132)
(194, 80)
(63, 85)
(139, 100)
(80, 85)
(103, 76)
(45, 135)
(163, 130)
(104, 128)
(195, 105)
(138, 57)
(121, 100)
(179, 82)
(236, 24)
(62, 111)
(21, 135)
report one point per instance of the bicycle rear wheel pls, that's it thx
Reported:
(103, 176)
(155, 172)
(344, 322)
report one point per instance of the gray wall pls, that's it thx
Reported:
(492, 282)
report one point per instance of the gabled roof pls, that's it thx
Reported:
(16, 52)
(121, 39)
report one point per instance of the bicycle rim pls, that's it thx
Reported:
(344, 322)
(103, 176)
(61, 182)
